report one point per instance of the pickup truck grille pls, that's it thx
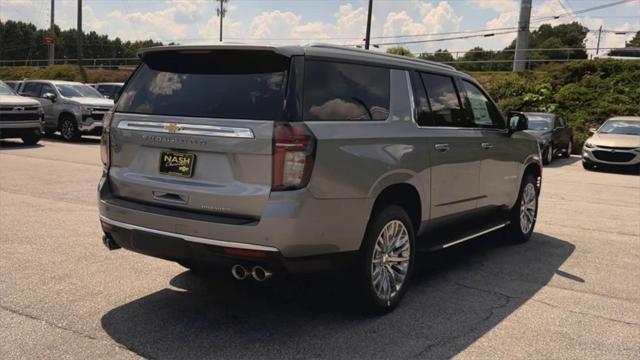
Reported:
(21, 116)
(20, 108)
(613, 156)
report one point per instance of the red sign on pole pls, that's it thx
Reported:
(48, 40)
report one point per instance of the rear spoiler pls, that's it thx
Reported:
(281, 50)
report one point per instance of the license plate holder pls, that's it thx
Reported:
(177, 163)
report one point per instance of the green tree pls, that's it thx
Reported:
(23, 41)
(635, 42)
(571, 35)
(399, 50)
(440, 56)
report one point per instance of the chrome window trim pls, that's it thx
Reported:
(413, 119)
(190, 238)
(187, 129)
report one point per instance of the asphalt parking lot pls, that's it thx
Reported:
(573, 291)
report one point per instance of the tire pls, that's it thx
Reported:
(379, 271)
(69, 128)
(547, 156)
(568, 149)
(524, 213)
(31, 137)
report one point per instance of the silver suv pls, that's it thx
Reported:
(72, 108)
(269, 160)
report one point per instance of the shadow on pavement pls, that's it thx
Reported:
(17, 144)
(560, 162)
(456, 297)
(85, 139)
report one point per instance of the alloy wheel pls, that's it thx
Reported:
(528, 205)
(67, 129)
(549, 155)
(390, 261)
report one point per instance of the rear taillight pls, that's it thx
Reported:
(293, 151)
(105, 140)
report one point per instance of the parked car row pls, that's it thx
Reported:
(70, 108)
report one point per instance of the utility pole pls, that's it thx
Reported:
(222, 12)
(367, 38)
(80, 34)
(522, 41)
(52, 46)
(599, 34)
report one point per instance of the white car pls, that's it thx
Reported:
(20, 117)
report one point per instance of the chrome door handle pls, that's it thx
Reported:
(487, 146)
(442, 147)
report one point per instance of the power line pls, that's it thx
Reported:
(582, 11)
(445, 39)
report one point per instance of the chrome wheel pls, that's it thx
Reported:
(569, 148)
(550, 155)
(528, 205)
(390, 260)
(68, 129)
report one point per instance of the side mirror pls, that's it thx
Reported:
(49, 96)
(593, 130)
(517, 122)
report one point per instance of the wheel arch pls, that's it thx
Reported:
(63, 114)
(404, 195)
(535, 170)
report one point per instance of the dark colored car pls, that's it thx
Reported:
(555, 137)
(109, 90)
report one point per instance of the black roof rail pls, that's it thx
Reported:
(399, 57)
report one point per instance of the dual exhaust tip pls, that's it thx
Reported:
(258, 273)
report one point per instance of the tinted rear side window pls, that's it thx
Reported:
(337, 91)
(232, 84)
(446, 109)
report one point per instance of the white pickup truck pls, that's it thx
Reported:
(20, 117)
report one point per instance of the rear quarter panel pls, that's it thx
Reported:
(359, 159)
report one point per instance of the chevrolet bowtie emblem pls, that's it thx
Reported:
(18, 108)
(172, 128)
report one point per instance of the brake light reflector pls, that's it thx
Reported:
(293, 151)
(105, 140)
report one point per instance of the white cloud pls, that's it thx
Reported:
(195, 21)
(273, 23)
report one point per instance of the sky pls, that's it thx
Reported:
(335, 21)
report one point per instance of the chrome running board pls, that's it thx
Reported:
(469, 237)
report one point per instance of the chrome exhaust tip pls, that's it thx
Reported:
(239, 272)
(260, 274)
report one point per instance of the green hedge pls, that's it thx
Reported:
(585, 92)
(62, 72)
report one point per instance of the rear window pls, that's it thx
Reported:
(230, 84)
(336, 91)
